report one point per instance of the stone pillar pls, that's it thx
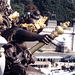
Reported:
(74, 37)
(2, 55)
(8, 1)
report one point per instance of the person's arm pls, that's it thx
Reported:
(23, 19)
(24, 35)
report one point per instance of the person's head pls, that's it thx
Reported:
(35, 14)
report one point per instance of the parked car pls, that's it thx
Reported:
(69, 58)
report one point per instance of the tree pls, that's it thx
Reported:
(30, 8)
(19, 8)
(64, 9)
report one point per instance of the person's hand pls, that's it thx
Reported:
(45, 39)
(19, 58)
(29, 57)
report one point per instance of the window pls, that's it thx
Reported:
(72, 57)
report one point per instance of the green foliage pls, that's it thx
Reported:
(19, 8)
(19, 5)
(30, 8)
(64, 9)
(22, 1)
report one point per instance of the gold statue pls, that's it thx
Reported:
(39, 24)
(14, 15)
